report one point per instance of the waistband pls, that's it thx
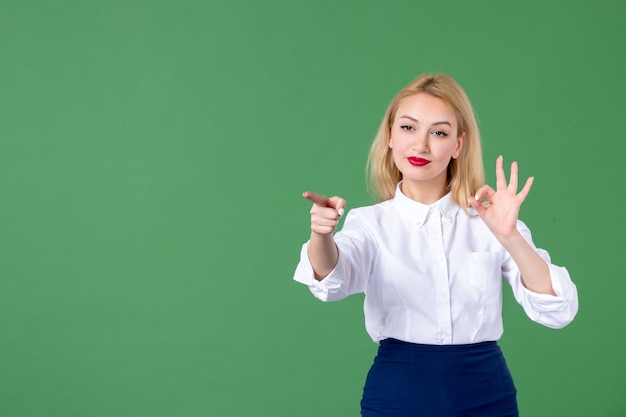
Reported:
(395, 344)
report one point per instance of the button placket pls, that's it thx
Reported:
(442, 287)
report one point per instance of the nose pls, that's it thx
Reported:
(420, 145)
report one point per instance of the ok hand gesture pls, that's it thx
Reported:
(501, 211)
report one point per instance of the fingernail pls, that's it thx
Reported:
(340, 211)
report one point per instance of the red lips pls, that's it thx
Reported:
(418, 162)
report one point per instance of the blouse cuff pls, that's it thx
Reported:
(562, 307)
(324, 289)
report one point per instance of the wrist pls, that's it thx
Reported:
(510, 238)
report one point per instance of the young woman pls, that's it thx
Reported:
(430, 258)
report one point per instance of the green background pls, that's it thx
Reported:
(152, 160)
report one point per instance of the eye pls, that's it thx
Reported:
(408, 128)
(440, 133)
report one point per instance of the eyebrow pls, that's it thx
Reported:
(417, 121)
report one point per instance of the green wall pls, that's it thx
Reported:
(152, 160)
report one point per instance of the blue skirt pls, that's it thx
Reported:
(413, 380)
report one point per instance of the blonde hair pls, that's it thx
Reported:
(465, 173)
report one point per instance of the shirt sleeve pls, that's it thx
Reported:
(356, 255)
(554, 311)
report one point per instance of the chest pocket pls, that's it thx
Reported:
(485, 270)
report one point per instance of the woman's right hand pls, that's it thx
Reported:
(325, 212)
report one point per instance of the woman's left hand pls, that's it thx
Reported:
(501, 210)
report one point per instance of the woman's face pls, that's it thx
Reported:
(423, 140)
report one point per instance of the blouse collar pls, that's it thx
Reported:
(418, 212)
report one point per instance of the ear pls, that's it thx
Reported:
(459, 146)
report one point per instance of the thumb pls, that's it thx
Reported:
(338, 204)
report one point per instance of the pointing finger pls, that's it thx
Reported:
(320, 200)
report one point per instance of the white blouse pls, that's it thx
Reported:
(432, 274)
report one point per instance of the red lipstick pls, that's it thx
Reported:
(418, 162)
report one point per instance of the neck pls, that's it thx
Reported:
(422, 192)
